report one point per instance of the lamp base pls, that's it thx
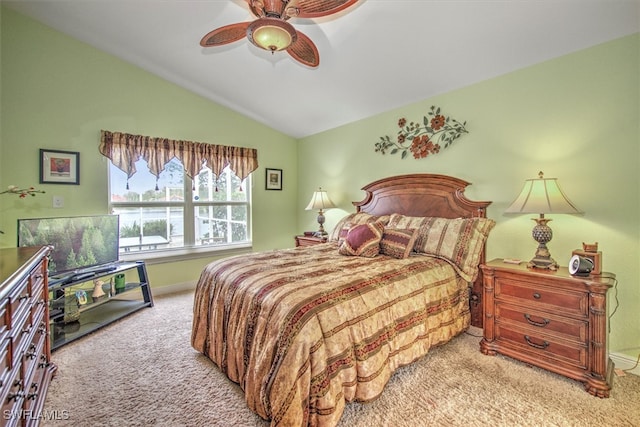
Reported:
(542, 234)
(546, 263)
(320, 232)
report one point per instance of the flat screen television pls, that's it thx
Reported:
(79, 242)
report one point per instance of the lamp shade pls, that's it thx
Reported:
(542, 195)
(320, 200)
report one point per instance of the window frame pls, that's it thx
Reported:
(189, 205)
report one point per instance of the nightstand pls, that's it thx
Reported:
(309, 240)
(549, 319)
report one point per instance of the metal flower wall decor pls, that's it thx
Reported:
(21, 192)
(422, 139)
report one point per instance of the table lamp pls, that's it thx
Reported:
(542, 196)
(319, 201)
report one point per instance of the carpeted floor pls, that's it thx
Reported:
(142, 371)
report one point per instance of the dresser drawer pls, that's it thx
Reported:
(21, 333)
(542, 347)
(37, 293)
(19, 303)
(37, 307)
(36, 281)
(542, 298)
(563, 327)
(5, 321)
(13, 399)
(5, 359)
(5, 344)
(35, 345)
(31, 366)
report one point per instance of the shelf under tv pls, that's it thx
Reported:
(94, 314)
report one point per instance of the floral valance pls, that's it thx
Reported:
(124, 150)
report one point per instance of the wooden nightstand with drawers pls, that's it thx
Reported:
(309, 240)
(549, 319)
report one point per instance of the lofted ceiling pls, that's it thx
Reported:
(374, 56)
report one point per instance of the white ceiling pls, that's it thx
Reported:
(375, 56)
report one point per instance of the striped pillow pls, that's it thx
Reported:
(402, 221)
(363, 240)
(398, 243)
(459, 241)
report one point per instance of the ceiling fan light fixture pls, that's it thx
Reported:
(271, 34)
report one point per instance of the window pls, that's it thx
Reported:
(176, 212)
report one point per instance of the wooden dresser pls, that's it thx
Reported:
(549, 319)
(25, 356)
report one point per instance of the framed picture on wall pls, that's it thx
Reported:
(59, 167)
(273, 179)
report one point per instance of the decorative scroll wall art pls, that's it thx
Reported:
(422, 139)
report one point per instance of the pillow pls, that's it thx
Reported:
(363, 240)
(408, 222)
(397, 242)
(341, 228)
(401, 221)
(459, 241)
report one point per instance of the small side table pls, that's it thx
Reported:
(309, 240)
(549, 319)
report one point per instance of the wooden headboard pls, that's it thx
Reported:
(427, 195)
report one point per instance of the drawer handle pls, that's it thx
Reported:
(542, 346)
(15, 396)
(537, 295)
(43, 361)
(542, 324)
(34, 394)
(31, 353)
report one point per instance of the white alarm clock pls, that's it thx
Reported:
(580, 266)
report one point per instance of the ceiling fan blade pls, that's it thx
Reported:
(318, 8)
(225, 35)
(303, 50)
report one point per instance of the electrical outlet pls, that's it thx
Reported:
(58, 202)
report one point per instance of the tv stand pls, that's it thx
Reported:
(73, 310)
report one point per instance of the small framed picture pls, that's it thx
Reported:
(273, 179)
(59, 167)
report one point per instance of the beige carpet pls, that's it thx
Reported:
(143, 371)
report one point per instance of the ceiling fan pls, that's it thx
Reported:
(272, 32)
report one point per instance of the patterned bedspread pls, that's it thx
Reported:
(305, 330)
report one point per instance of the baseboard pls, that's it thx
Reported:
(622, 361)
(172, 289)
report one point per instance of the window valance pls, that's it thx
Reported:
(124, 150)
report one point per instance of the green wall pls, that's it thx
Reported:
(58, 93)
(575, 117)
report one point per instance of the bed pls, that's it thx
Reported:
(305, 330)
